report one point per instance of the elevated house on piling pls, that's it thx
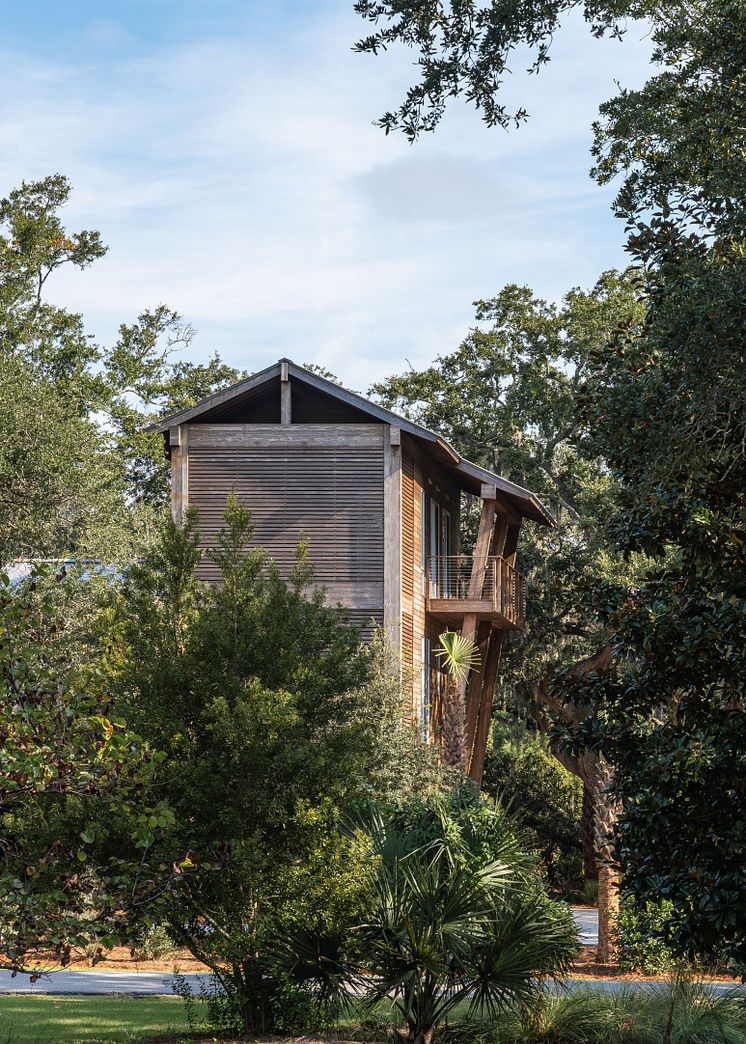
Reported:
(378, 497)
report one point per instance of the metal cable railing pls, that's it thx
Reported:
(457, 578)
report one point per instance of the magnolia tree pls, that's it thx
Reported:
(664, 406)
(68, 765)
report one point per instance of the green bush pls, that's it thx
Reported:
(641, 936)
(546, 799)
(153, 943)
(456, 918)
(262, 700)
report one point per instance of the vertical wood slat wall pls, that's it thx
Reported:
(410, 679)
(324, 485)
(420, 473)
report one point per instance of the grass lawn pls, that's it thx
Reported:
(49, 1019)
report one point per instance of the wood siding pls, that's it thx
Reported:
(324, 482)
(421, 473)
(407, 573)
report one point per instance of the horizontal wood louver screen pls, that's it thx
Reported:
(367, 621)
(332, 494)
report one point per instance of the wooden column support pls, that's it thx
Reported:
(178, 440)
(504, 544)
(286, 395)
(475, 761)
(392, 538)
(476, 583)
(474, 686)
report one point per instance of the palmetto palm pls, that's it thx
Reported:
(444, 932)
(458, 655)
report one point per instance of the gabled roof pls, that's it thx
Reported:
(470, 477)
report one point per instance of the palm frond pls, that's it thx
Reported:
(457, 654)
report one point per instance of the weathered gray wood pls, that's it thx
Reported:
(510, 548)
(482, 548)
(449, 607)
(328, 493)
(354, 595)
(286, 401)
(474, 685)
(295, 436)
(180, 475)
(174, 436)
(392, 540)
(490, 668)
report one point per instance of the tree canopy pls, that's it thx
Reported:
(78, 475)
(664, 409)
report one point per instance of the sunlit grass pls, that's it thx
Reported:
(66, 1020)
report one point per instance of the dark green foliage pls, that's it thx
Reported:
(667, 410)
(677, 1012)
(67, 766)
(255, 691)
(463, 48)
(545, 798)
(71, 485)
(455, 916)
(664, 407)
(641, 934)
(506, 399)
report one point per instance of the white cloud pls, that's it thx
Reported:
(238, 178)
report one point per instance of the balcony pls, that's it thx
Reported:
(453, 589)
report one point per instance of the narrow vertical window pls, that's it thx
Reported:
(425, 697)
(445, 550)
(423, 544)
(435, 550)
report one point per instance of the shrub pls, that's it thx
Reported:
(545, 798)
(152, 943)
(456, 916)
(679, 1012)
(272, 721)
(641, 936)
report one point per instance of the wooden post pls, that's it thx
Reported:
(510, 547)
(392, 538)
(489, 678)
(178, 439)
(504, 545)
(478, 571)
(474, 686)
(286, 402)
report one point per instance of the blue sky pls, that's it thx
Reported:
(226, 152)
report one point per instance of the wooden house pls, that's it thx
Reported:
(378, 497)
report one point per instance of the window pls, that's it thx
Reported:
(440, 549)
(425, 694)
(423, 544)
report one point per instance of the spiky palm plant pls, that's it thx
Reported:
(458, 655)
(445, 932)
(454, 919)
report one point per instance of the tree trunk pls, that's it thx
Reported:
(608, 913)
(420, 1036)
(454, 734)
(590, 870)
(606, 811)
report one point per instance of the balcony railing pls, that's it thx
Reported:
(452, 587)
